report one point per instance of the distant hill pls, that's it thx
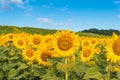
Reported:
(11, 29)
(8, 29)
(103, 32)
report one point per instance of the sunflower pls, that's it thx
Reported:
(86, 42)
(114, 36)
(113, 51)
(66, 43)
(49, 41)
(37, 41)
(97, 50)
(0, 40)
(10, 36)
(29, 55)
(94, 42)
(43, 55)
(20, 42)
(86, 54)
(4, 40)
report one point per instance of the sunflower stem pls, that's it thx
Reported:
(66, 72)
(108, 71)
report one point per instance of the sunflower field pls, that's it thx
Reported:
(64, 55)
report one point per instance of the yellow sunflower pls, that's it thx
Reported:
(86, 42)
(114, 36)
(113, 51)
(37, 41)
(20, 42)
(49, 41)
(11, 36)
(97, 50)
(0, 41)
(86, 54)
(43, 55)
(66, 43)
(4, 40)
(29, 55)
(94, 42)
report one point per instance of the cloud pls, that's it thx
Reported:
(62, 9)
(51, 22)
(28, 14)
(61, 24)
(70, 20)
(118, 16)
(45, 20)
(9, 3)
(17, 1)
(117, 2)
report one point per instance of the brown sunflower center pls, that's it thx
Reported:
(36, 41)
(11, 36)
(86, 43)
(29, 53)
(64, 44)
(116, 47)
(20, 42)
(93, 41)
(86, 52)
(98, 50)
(45, 56)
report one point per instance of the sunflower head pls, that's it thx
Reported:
(43, 55)
(113, 51)
(37, 40)
(29, 55)
(97, 50)
(116, 47)
(86, 54)
(114, 36)
(66, 43)
(20, 42)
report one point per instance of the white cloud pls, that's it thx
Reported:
(27, 14)
(17, 1)
(61, 24)
(45, 20)
(70, 20)
(63, 9)
(118, 16)
(117, 2)
(51, 22)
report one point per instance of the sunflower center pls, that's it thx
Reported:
(20, 42)
(45, 56)
(11, 36)
(116, 47)
(64, 44)
(98, 50)
(29, 53)
(86, 52)
(93, 41)
(36, 41)
(86, 43)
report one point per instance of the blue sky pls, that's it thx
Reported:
(75, 15)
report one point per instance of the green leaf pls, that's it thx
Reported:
(22, 67)
(118, 75)
(5, 66)
(1, 75)
(12, 73)
(80, 67)
(13, 58)
(64, 66)
(93, 73)
(40, 71)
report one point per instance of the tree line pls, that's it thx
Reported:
(102, 31)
